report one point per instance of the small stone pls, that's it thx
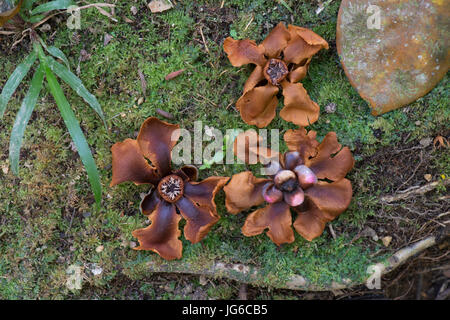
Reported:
(140, 101)
(425, 142)
(428, 177)
(418, 123)
(133, 10)
(132, 244)
(86, 214)
(330, 108)
(46, 27)
(99, 249)
(203, 281)
(5, 168)
(386, 240)
(369, 232)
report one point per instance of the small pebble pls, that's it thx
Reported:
(428, 177)
(330, 108)
(140, 101)
(99, 249)
(386, 240)
(425, 142)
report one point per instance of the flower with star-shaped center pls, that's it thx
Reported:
(175, 193)
(309, 179)
(281, 60)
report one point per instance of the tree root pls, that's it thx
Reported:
(251, 275)
(414, 191)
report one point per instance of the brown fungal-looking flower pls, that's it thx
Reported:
(281, 60)
(309, 179)
(175, 193)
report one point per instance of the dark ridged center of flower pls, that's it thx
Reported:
(171, 188)
(289, 185)
(275, 71)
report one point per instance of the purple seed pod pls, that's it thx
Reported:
(305, 176)
(294, 198)
(271, 194)
(292, 159)
(283, 176)
(272, 168)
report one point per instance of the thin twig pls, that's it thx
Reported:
(415, 191)
(203, 38)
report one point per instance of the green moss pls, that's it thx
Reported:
(47, 221)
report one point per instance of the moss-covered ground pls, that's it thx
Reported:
(47, 217)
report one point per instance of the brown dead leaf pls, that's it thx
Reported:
(174, 74)
(143, 82)
(440, 142)
(107, 39)
(156, 6)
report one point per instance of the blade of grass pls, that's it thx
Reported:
(54, 51)
(14, 80)
(52, 5)
(73, 126)
(22, 118)
(76, 84)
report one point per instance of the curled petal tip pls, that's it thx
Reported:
(271, 194)
(294, 198)
(305, 176)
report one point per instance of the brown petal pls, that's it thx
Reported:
(162, 235)
(7, 15)
(276, 217)
(258, 105)
(156, 139)
(242, 52)
(255, 77)
(244, 191)
(150, 202)
(276, 41)
(204, 192)
(248, 147)
(128, 164)
(303, 44)
(298, 106)
(326, 166)
(298, 73)
(302, 141)
(188, 172)
(199, 219)
(309, 224)
(331, 198)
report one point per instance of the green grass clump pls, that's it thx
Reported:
(47, 221)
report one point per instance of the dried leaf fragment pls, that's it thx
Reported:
(156, 6)
(174, 74)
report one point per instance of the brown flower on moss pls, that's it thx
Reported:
(175, 194)
(281, 60)
(309, 179)
(9, 13)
